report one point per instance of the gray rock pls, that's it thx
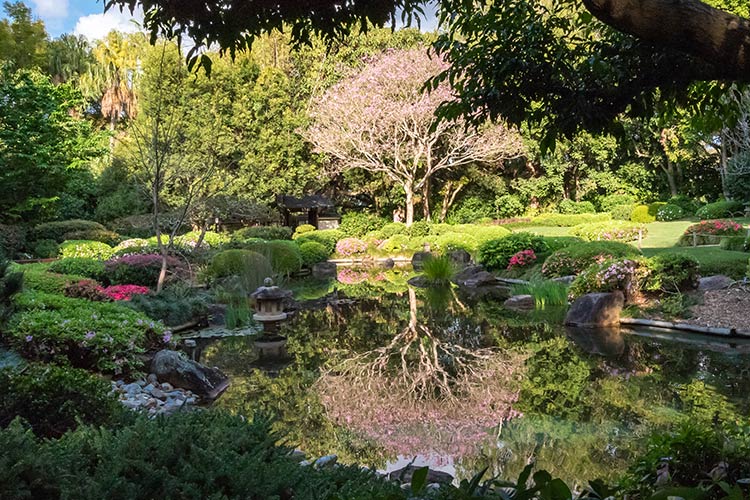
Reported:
(176, 369)
(167, 387)
(717, 282)
(460, 258)
(217, 314)
(326, 461)
(433, 476)
(522, 302)
(565, 279)
(131, 389)
(419, 281)
(417, 260)
(596, 309)
(151, 379)
(149, 388)
(482, 278)
(388, 263)
(324, 270)
(158, 394)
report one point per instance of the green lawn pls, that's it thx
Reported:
(663, 237)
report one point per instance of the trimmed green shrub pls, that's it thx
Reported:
(567, 206)
(302, 229)
(609, 202)
(57, 230)
(734, 243)
(313, 252)
(267, 233)
(669, 212)
(575, 258)
(102, 235)
(555, 243)
(395, 244)
(133, 246)
(95, 335)
(495, 254)
(357, 224)
(569, 220)
(284, 255)
(188, 242)
(418, 229)
(720, 210)
(392, 228)
(448, 242)
(609, 231)
(673, 272)
(81, 266)
(326, 237)
(45, 281)
(12, 240)
(622, 212)
(46, 249)
(236, 262)
(53, 400)
(644, 214)
(86, 249)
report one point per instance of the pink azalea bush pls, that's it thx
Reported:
(124, 292)
(524, 258)
(350, 246)
(350, 276)
(625, 275)
(709, 232)
(138, 269)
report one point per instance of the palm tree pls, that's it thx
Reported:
(112, 80)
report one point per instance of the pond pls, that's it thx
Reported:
(380, 378)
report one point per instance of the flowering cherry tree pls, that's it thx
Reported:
(381, 121)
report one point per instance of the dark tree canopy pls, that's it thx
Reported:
(560, 66)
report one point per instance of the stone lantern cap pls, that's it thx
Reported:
(270, 292)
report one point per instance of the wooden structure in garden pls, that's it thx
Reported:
(314, 209)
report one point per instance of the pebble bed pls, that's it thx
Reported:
(153, 397)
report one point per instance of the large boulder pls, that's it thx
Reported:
(460, 258)
(324, 270)
(596, 309)
(717, 282)
(465, 274)
(433, 476)
(175, 368)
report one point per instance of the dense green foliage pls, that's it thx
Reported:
(495, 254)
(575, 258)
(438, 270)
(610, 231)
(313, 252)
(85, 249)
(719, 210)
(173, 306)
(53, 400)
(81, 266)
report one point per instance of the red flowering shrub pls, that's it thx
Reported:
(124, 292)
(523, 258)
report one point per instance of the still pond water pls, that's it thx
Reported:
(379, 378)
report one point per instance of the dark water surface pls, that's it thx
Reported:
(385, 377)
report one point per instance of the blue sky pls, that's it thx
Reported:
(84, 17)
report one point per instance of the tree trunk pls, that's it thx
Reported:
(669, 171)
(409, 190)
(449, 198)
(720, 39)
(113, 130)
(723, 166)
(426, 201)
(202, 235)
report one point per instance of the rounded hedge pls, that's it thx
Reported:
(669, 212)
(57, 230)
(313, 252)
(82, 266)
(102, 235)
(326, 237)
(495, 254)
(85, 248)
(573, 259)
(236, 262)
(267, 233)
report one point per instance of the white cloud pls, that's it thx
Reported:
(96, 26)
(51, 9)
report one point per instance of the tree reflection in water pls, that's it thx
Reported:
(423, 393)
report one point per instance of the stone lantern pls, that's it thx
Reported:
(269, 312)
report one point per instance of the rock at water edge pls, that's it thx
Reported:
(596, 309)
(176, 369)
